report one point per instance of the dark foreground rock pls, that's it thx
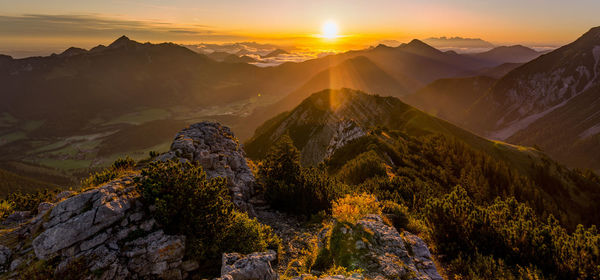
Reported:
(249, 267)
(218, 151)
(106, 229)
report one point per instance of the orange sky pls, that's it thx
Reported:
(37, 24)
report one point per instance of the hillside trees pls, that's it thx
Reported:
(287, 186)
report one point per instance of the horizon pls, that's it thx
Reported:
(39, 28)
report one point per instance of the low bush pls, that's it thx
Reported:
(510, 232)
(291, 188)
(118, 168)
(19, 201)
(365, 166)
(187, 202)
(353, 207)
(6, 208)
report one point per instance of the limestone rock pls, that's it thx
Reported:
(80, 217)
(215, 148)
(391, 255)
(62, 195)
(253, 266)
(5, 254)
(421, 255)
(44, 206)
(345, 131)
(381, 251)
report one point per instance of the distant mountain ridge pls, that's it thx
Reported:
(274, 53)
(551, 102)
(110, 93)
(509, 54)
(458, 43)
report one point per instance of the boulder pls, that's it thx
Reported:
(215, 147)
(80, 217)
(249, 267)
(5, 254)
(379, 250)
(421, 255)
(392, 255)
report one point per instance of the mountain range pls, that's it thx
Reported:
(458, 43)
(550, 102)
(68, 110)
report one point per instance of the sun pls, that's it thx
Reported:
(329, 30)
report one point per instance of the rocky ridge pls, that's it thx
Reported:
(218, 151)
(107, 232)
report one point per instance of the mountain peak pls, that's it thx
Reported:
(382, 47)
(417, 45)
(417, 42)
(73, 51)
(275, 53)
(123, 41)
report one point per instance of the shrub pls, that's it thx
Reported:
(188, 203)
(353, 207)
(123, 163)
(282, 164)
(510, 231)
(118, 168)
(25, 201)
(365, 166)
(6, 208)
(248, 235)
(289, 187)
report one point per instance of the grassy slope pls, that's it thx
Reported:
(11, 182)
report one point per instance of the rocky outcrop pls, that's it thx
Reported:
(394, 255)
(250, 267)
(378, 249)
(218, 151)
(108, 230)
(346, 131)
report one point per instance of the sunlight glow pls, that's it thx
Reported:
(329, 30)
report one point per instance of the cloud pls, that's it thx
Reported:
(96, 26)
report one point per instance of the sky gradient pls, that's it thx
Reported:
(34, 25)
